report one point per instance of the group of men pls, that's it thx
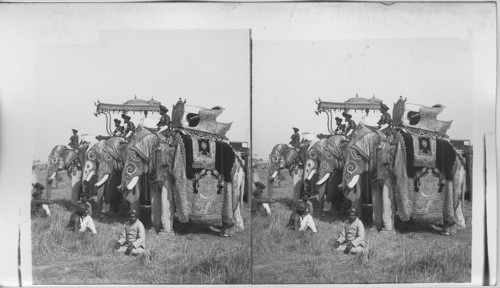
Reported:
(128, 130)
(348, 129)
(132, 240)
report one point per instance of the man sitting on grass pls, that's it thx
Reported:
(80, 220)
(39, 205)
(301, 220)
(133, 237)
(260, 205)
(352, 235)
(85, 203)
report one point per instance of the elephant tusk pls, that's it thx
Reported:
(268, 209)
(311, 174)
(90, 176)
(353, 182)
(53, 176)
(320, 182)
(132, 183)
(274, 174)
(104, 178)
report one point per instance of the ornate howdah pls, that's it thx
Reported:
(423, 119)
(203, 121)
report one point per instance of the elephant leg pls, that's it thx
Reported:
(459, 190)
(358, 203)
(238, 184)
(167, 207)
(238, 220)
(48, 189)
(270, 188)
(297, 189)
(76, 186)
(387, 208)
(378, 206)
(321, 198)
(156, 211)
(448, 211)
(100, 199)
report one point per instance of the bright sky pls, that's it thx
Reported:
(290, 75)
(205, 67)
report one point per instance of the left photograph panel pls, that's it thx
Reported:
(140, 170)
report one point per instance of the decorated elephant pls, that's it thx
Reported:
(402, 177)
(195, 176)
(285, 157)
(109, 163)
(326, 158)
(64, 158)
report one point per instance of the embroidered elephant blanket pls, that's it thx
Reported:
(204, 195)
(415, 203)
(440, 154)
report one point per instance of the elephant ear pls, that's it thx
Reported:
(364, 142)
(144, 144)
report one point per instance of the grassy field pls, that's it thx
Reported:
(416, 253)
(194, 256)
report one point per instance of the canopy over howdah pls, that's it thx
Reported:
(354, 103)
(132, 105)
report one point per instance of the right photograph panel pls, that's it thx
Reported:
(363, 152)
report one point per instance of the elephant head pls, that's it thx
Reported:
(275, 159)
(148, 154)
(283, 156)
(368, 151)
(111, 159)
(324, 157)
(92, 159)
(62, 158)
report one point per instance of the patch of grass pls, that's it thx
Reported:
(417, 255)
(192, 257)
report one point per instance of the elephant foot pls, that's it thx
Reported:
(227, 232)
(374, 230)
(448, 231)
(166, 234)
(388, 232)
